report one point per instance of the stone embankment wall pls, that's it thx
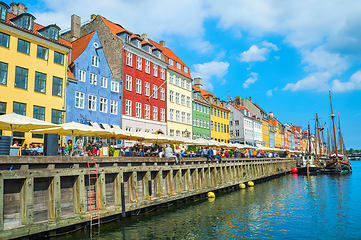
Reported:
(45, 194)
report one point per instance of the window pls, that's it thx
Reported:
(197, 122)
(79, 99)
(57, 86)
(162, 73)
(171, 62)
(183, 117)
(155, 113)
(138, 86)
(177, 116)
(219, 127)
(59, 58)
(82, 75)
(114, 107)
(54, 34)
(177, 80)
(127, 38)
(23, 46)
(3, 73)
(177, 98)
(188, 118)
(218, 112)
(103, 82)
(146, 111)
(4, 40)
(236, 122)
(155, 70)
(237, 133)
(188, 102)
(19, 108)
(227, 128)
(185, 70)
(92, 102)
(139, 63)
(183, 100)
(103, 105)
(200, 123)
(207, 110)
(155, 91)
(114, 86)
(194, 121)
(3, 13)
(171, 96)
(128, 107)
(95, 61)
(55, 116)
(138, 109)
(147, 66)
(146, 88)
(39, 113)
(128, 129)
(231, 123)
(178, 66)
(129, 59)
(171, 114)
(93, 79)
(27, 23)
(162, 114)
(42, 52)
(207, 124)
(162, 94)
(150, 49)
(21, 78)
(128, 83)
(171, 133)
(188, 85)
(215, 126)
(182, 82)
(227, 115)
(40, 82)
(171, 78)
(139, 45)
(211, 125)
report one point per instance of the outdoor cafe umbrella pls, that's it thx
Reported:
(16, 122)
(201, 142)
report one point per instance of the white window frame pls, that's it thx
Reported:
(139, 63)
(178, 66)
(128, 107)
(182, 83)
(185, 69)
(183, 117)
(188, 118)
(176, 80)
(147, 66)
(114, 86)
(103, 104)
(155, 70)
(129, 59)
(138, 109)
(171, 62)
(128, 83)
(162, 94)
(92, 102)
(162, 114)
(177, 116)
(171, 96)
(188, 84)
(114, 107)
(146, 111)
(155, 91)
(138, 88)
(104, 82)
(82, 75)
(162, 73)
(183, 100)
(171, 78)
(188, 102)
(171, 114)
(177, 98)
(80, 96)
(139, 45)
(194, 121)
(95, 60)
(93, 78)
(146, 88)
(155, 113)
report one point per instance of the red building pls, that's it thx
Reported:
(297, 136)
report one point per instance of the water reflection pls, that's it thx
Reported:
(289, 207)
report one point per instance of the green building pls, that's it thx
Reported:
(201, 116)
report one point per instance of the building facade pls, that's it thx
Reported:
(92, 96)
(33, 66)
(201, 116)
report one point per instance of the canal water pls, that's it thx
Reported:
(288, 207)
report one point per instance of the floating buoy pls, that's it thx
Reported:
(250, 184)
(294, 170)
(242, 186)
(211, 195)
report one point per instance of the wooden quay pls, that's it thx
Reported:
(47, 195)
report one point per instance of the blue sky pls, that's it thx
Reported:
(284, 54)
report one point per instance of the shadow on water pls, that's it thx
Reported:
(289, 207)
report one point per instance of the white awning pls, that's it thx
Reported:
(105, 125)
(115, 126)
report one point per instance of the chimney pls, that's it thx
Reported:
(145, 37)
(162, 43)
(198, 82)
(92, 17)
(75, 27)
(237, 99)
(271, 114)
(250, 99)
(17, 8)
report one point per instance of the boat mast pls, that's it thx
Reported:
(315, 143)
(333, 123)
(339, 134)
(318, 136)
(309, 139)
(323, 139)
(328, 142)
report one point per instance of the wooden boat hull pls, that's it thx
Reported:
(338, 165)
(312, 170)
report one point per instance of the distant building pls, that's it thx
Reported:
(33, 64)
(201, 115)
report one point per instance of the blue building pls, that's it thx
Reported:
(92, 96)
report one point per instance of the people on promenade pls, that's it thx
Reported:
(209, 154)
(178, 153)
(168, 153)
(216, 155)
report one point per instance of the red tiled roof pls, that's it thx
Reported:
(205, 93)
(273, 123)
(70, 74)
(36, 28)
(79, 46)
(200, 100)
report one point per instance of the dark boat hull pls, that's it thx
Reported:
(303, 170)
(339, 165)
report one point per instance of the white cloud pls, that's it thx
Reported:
(201, 46)
(223, 82)
(208, 70)
(269, 93)
(270, 45)
(316, 81)
(353, 84)
(252, 79)
(254, 54)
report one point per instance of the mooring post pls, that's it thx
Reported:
(150, 189)
(122, 194)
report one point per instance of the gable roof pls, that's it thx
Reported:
(79, 46)
(35, 30)
(205, 93)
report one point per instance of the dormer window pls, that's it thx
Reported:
(171, 62)
(139, 44)
(54, 33)
(159, 55)
(127, 38)
(51, 31)
(150, 49)
(3, 11)
(185, 70)
(27, 23)
(178, 66)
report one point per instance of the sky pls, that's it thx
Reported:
(286, 55)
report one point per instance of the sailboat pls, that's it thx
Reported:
(337, 163)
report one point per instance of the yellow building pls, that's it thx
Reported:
(277, 134)
(33, 69)
(265, 132)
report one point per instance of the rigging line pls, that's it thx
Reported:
(157, 90)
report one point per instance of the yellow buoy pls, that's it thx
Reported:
(211, 195)
(250, 184)
(242, 186)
